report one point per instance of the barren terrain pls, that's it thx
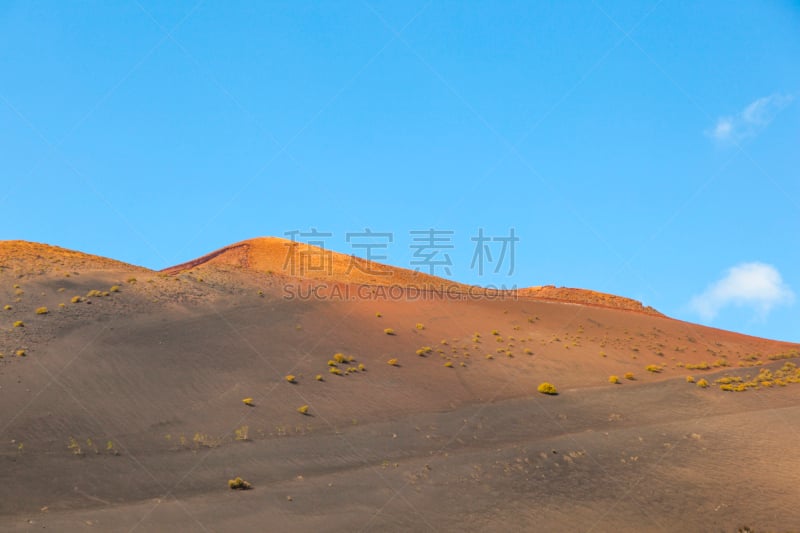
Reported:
(123, 403)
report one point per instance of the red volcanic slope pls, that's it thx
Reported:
(281, 256)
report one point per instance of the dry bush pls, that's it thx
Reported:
(547, 388)
(238, 483)
(242, 433)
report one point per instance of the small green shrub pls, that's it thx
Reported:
(547, 388)
(241, 433)
(74, 446)
(238, 483)
(341, 358)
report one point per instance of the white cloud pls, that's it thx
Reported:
(723, 129)
(751, 120)
(755, 285)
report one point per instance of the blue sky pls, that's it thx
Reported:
(647, 149)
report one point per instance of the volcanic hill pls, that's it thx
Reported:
(131, 397)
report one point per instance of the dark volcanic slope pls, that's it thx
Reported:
(126, 411)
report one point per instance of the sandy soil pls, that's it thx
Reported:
(126, 412)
